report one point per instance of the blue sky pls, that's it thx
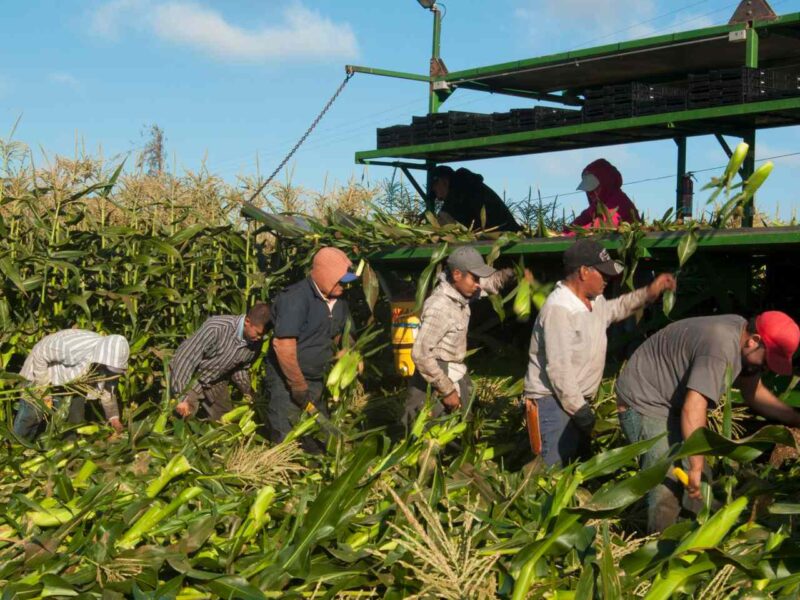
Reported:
(235, 83)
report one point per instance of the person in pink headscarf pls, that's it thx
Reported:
(602, 183)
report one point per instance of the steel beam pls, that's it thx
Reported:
(720, 239)
(680, 209)
(413, 181)
(387, 73)
(666, 120)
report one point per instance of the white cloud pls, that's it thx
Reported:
(65, 79)
(110, 18)
(298, 34)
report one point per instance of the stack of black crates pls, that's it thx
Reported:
(715, 88)
(631, 100)
(744, 84)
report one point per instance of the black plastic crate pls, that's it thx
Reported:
(546, 117)
(392, 137)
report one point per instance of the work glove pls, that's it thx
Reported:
(301, 398)
(584, 419)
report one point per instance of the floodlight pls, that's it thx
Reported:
(427, 3)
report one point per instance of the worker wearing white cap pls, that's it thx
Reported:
(602, 183)
(66, 357)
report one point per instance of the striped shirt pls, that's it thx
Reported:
(214, 352)
(68, 355)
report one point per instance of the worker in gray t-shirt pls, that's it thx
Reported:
(678, 374)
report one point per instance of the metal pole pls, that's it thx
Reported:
(433, 102)
(680, 209)
(749, 165)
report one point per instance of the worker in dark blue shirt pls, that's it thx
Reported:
(308, 318)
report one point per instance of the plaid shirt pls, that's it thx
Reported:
(442, 334)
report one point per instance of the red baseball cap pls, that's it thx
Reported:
(781, 336)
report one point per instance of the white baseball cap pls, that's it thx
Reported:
(589, 183)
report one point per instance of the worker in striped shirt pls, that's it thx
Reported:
(70, 358)
(222, 350)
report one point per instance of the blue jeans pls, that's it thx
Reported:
(29, 419)
(664, 500)
(562, 440)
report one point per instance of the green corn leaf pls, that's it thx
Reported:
(329, 507)
(687, 247)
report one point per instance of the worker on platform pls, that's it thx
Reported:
(675, 377)
(441, 344)
(602, 183)
(568, 350)
(221, 351)
(309, 318)
(72, 365)
(465, 196)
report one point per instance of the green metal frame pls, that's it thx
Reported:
(719, 239)
(700, 114)
(474, 78)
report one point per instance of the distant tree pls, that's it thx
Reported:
(152, 157)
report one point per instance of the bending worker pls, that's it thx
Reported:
(676, 376)
(464, 196)
(568, 350)
(74, 356)
(441, 344)
(309, 318)
(222, 350)
(602, 183)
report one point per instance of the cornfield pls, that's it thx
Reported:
(189, 509)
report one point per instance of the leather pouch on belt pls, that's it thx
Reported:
(532, 420)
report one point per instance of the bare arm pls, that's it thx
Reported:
(693, 417)
(765, 403)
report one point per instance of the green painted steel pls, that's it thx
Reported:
(422, 150)
(720, 239)
(434, 101)
(598, 51)
(387, 73)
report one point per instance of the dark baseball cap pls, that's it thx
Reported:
(442, 171)
(467, 259)
(588, 253)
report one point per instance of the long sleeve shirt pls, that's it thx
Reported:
(214, 352)
(442, 333)
(568, 346)
(65, 356)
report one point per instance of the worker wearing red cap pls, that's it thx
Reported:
(307, 317)
(678, 374)
(602, 183)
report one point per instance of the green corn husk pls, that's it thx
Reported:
(522, 301)
(53, 517)
(757, 179)
(154, 515)
(258, 515)
(178, 465)
(86, 471)
(735, 163)
(234, 415)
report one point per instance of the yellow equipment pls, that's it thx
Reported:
(405, 325)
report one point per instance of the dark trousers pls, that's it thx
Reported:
(29, 420)
(215, 399)
(278, 414)
(418, 395)
(562, 440)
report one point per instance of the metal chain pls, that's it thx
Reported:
(299, 143)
